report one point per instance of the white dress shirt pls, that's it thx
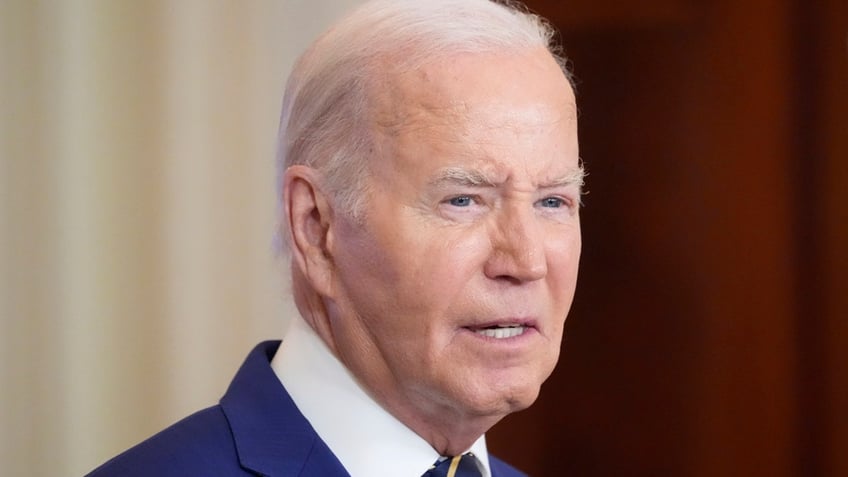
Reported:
(368, 441)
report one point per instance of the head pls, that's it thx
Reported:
(431, 188)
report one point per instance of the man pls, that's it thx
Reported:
(430, 188)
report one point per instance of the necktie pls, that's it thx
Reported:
(465, 465)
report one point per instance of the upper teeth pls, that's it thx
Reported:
(502, 331)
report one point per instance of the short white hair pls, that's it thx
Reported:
(326, 120)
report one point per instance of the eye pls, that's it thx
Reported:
(552, 202)
(461, 201)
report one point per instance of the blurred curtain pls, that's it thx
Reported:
(137, 208)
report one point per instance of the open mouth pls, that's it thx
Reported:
(502, 331)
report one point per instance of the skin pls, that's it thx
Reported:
(472, 220)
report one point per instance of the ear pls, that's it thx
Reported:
(309, 217)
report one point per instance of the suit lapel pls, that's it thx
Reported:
(271, 436)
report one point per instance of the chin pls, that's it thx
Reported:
(503, 401)
(523, 400)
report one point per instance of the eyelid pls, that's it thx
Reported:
(561, 200)
(566, 201)
(472, 199)
(447, 198)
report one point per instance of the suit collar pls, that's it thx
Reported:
(271, 436)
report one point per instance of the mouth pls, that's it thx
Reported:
(501, 331)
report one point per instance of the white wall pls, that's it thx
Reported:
(137, 206)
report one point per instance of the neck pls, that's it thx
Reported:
(447, 430)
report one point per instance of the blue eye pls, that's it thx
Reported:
(461, 201)
(552, 202)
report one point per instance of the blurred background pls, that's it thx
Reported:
(137, 211)
(709, 334)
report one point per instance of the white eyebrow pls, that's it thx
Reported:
(462, 176)
(576, 176)
(477, 178)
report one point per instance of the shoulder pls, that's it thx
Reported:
(200, 444)
(502, 469)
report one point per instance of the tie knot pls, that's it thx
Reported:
(465, 465)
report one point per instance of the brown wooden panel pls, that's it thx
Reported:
(822, 321)
(832, 48)
(742, 101)
(575, 15)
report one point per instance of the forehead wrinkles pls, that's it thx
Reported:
(412, 101)
(398, 112)
(443, 105)
(469, 125)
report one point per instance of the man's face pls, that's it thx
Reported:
(451, 294)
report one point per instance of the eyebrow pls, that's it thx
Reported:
(462, 176)
(575, 176)
(477, 178)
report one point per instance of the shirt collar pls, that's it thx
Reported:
(348, 420)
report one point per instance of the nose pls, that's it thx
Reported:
(518, 248)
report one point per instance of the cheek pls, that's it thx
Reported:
(388, 286)
(404, 276)
(364, 274)
(448, 262)
(564, 260)
(564, 250)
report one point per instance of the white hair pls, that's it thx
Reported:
(326, 119)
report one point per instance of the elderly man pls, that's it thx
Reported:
(430, 187)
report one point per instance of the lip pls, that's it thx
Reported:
(528, 323)
(530, 329)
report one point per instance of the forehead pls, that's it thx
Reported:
(470, 107)
(522, 88)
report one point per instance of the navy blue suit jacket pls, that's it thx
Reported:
(255, 430)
